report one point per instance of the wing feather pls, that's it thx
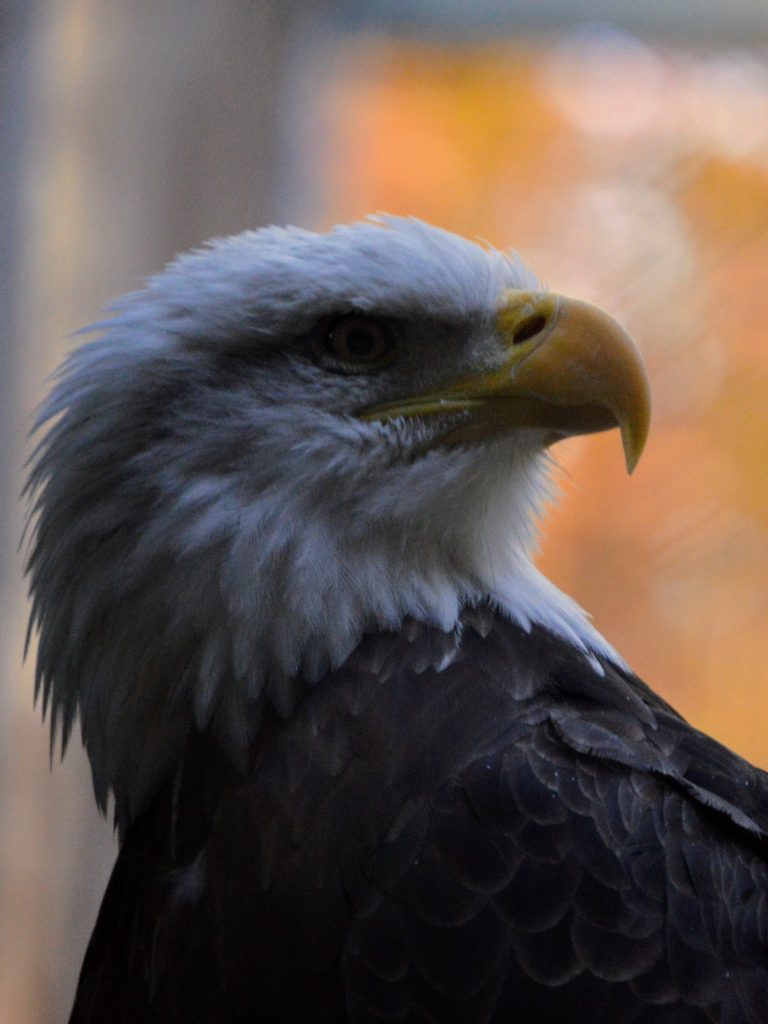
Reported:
(475, 827)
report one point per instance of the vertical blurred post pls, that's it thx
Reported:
(17, 18)
(15, 30)
(129, 131)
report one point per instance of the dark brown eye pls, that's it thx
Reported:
(355, 343)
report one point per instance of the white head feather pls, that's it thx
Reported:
(215, 528)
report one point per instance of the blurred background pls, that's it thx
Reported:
(622, 148)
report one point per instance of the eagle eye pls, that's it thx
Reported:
(354, 344)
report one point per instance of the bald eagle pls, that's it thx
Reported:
(367, 763)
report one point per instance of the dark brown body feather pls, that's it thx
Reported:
(513, 838)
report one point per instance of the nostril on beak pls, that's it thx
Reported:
(528, 328)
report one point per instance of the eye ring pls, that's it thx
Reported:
(354, 344)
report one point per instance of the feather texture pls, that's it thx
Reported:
(420, 844)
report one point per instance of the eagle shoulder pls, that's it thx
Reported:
(465, 826)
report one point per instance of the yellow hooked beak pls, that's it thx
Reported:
(568, 368)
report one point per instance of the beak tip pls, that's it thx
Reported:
(633, 441)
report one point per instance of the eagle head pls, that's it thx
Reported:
(287, 439)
